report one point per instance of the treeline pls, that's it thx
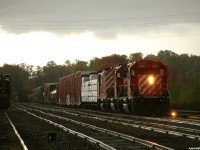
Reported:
(184, 73)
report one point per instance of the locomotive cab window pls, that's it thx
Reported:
(119, 76)
(132, 73)
(125, 72)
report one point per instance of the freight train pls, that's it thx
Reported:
(5, 91)
(139, 88)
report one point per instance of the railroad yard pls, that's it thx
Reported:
(42, 126)
(99, 75)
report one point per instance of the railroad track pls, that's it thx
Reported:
(145, 124)
(111, 139)
(16, 133)
(157, 127)
(188, 114)
(8, 138)
(38, 134)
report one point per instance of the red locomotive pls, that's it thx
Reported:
(140, 88)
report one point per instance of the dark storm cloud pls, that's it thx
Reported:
(104, 17)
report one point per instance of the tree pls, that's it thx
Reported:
(37, 78)
(19, 75)
(51, 64)
(79, 65)
(135, 56)
(94, 64)
(151, 57)
(112, 60)
(51, 72)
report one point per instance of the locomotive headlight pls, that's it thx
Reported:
(173, 114)
(151, 80)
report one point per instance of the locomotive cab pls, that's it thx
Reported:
(148, 92)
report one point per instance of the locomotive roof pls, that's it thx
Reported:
(149, 62)
(50, 83)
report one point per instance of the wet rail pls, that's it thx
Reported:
(115, 139)
(165, 127)
(156, 127)
(16, 132)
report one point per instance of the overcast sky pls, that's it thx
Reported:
(37, 31)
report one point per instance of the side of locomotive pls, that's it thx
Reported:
(5, 91)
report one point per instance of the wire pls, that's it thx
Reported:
(110, 19)
(65, 27)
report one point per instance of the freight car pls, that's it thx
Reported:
(5, 91)
(22, 96)
(48, 89)
(69, 88)
(38, 94)
(139, 88)
(47, 93)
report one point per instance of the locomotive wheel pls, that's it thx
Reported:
(104, 107)
(113, 107)
(126, 108)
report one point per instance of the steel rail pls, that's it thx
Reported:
(142, 122)
(127, 137)
(131, 123)
(16, 133)
(171, 120)
(90, 139)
